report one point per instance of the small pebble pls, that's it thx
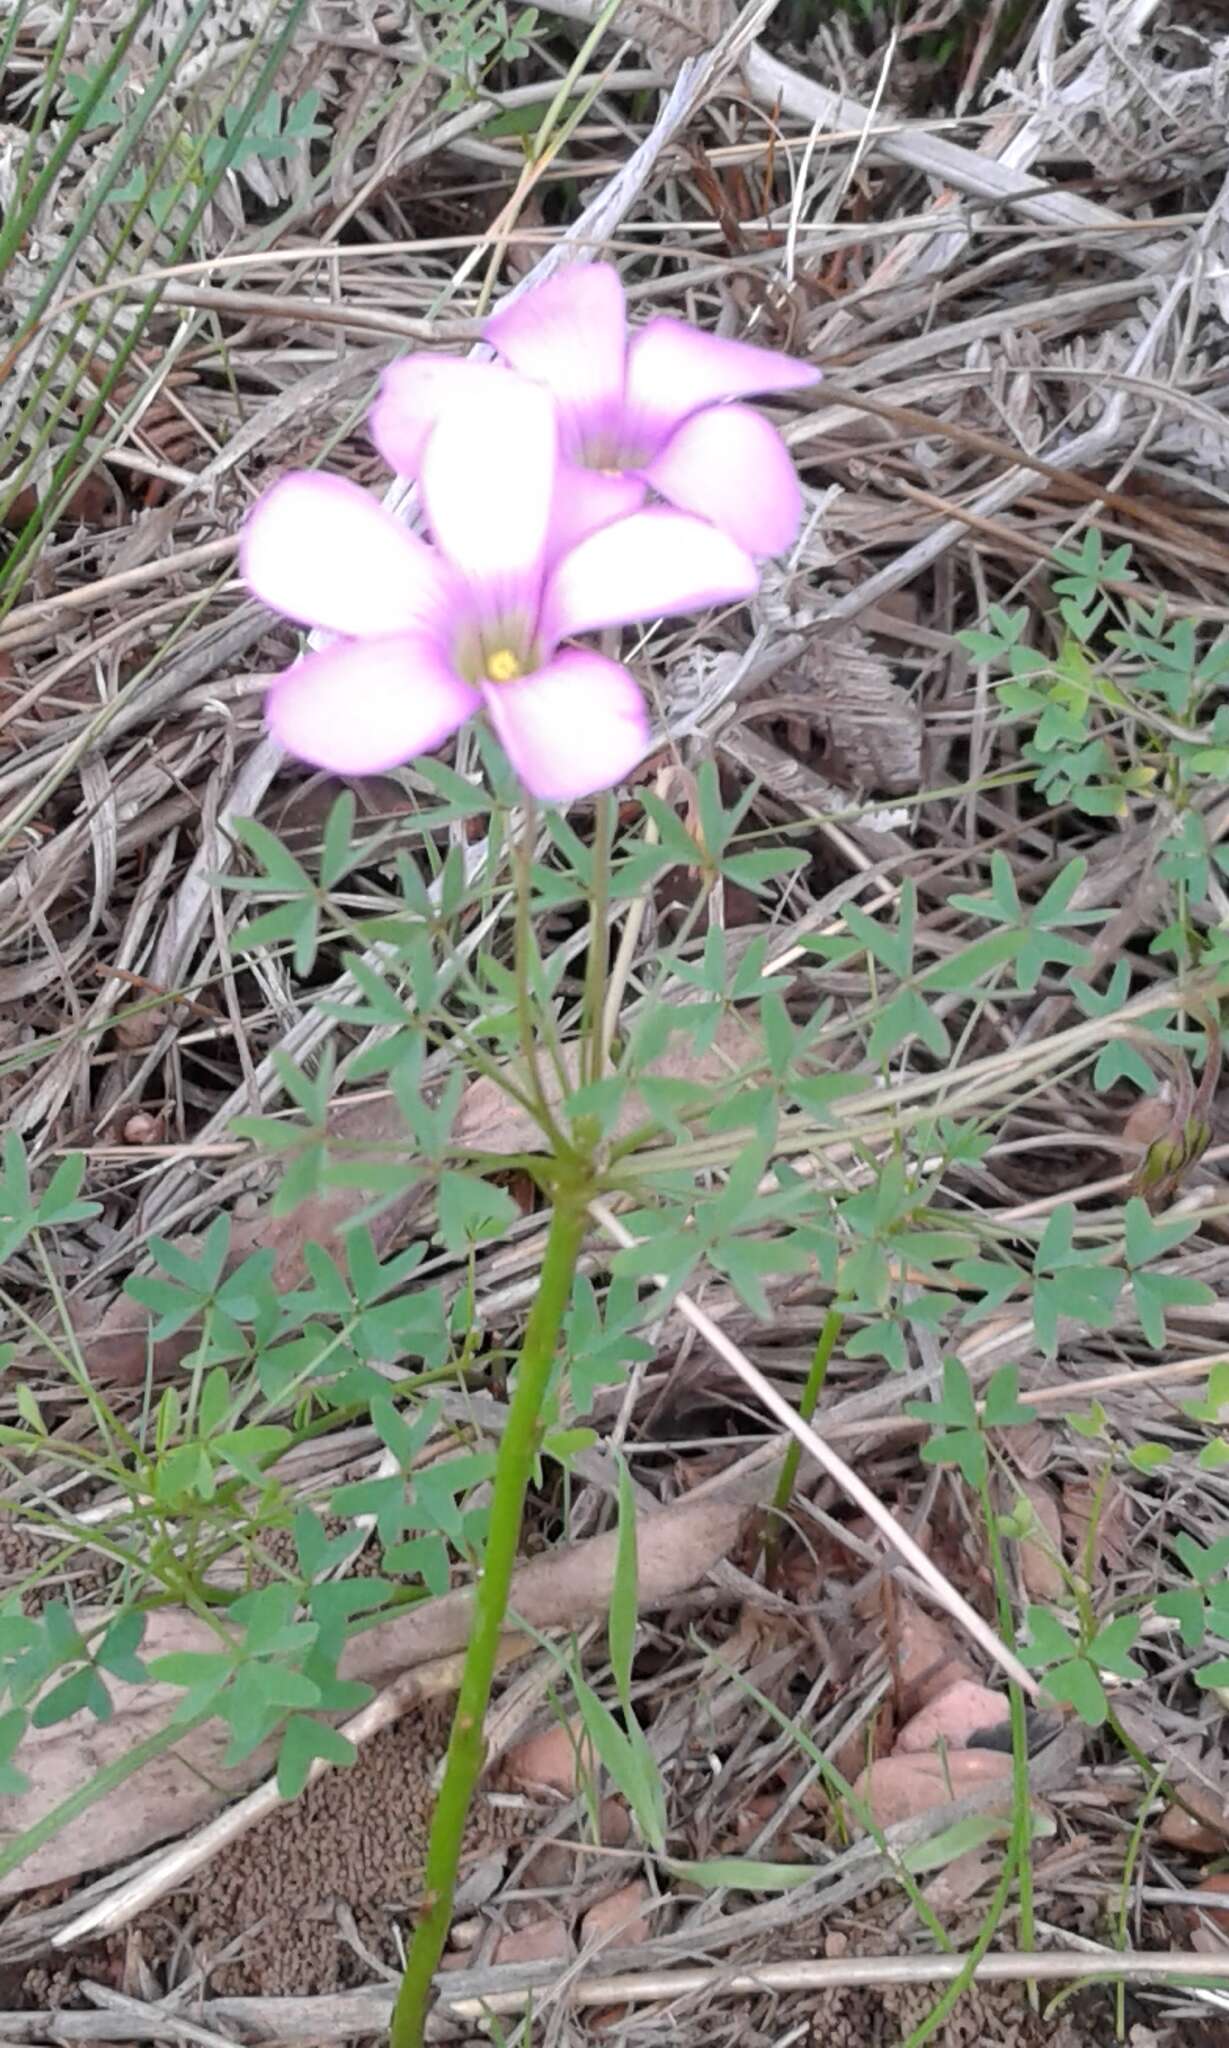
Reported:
(954, 1717)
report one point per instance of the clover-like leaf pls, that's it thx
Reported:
(1076, 1685)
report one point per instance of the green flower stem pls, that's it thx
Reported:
(593, 1050)
(814, 1387)
(1017, 1865)
(1122, 1940)
(524, 954)
(518, 1448)
(1148, 1769)
(959, 1985)
(1021, 1799)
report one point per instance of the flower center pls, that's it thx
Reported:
(500, 648)
(503, 666)
(610, 456)
(603, 453)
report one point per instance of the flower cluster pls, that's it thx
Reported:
(592, 477)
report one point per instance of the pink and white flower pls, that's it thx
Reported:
(649, 409)
(430, 635)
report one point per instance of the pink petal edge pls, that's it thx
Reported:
(575, 726)
(412, 395)
(488, 484)
(585, 501)
(650, 565)
(320, 550)
(674, 369)
(728, 465)
(367, 705)
(571, 335)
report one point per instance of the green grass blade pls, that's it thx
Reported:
(23, 216)
(69, 472)
(129, 135)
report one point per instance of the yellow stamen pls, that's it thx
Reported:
(503, 666)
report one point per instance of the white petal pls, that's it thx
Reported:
(647, 566)
(729, 466)
(575, 726)
(586, 500)
(673, 370)
(322, 551)
(413, 393)
(571, 335)
(488, 482)
(367, 705)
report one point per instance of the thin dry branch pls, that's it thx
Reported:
(835, 1466)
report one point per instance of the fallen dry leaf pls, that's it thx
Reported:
(304, 806)
(184, 1787)
(851, 1756)
(95, 503)
(897, 1788)
(850, 720)
(549, 1868)
(1031, 1446)
(1214, 1887)
(1203, 1819)
(553, 1865)
(489, 1121)
(750, 1820)
(673, 29)
(1149, 1118)
(616, 1823)
(618, 1921)
(550, 1760)
(961, 1880)
(544, 1941)
(479, 1883)
(1179, 1829)
(953, 1717)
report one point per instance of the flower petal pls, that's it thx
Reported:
(644, 567)
(322, 551)
(576, 725)
(413, 393)
(488, 483)
(365, 705)
(729, 466)
(585, 501)
(673, 370)
(571, 335)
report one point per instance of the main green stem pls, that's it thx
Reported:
(463, 1763)
(806, 1409)
(1021, 1800)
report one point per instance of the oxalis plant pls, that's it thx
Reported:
(591, 478)
(534, 473)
